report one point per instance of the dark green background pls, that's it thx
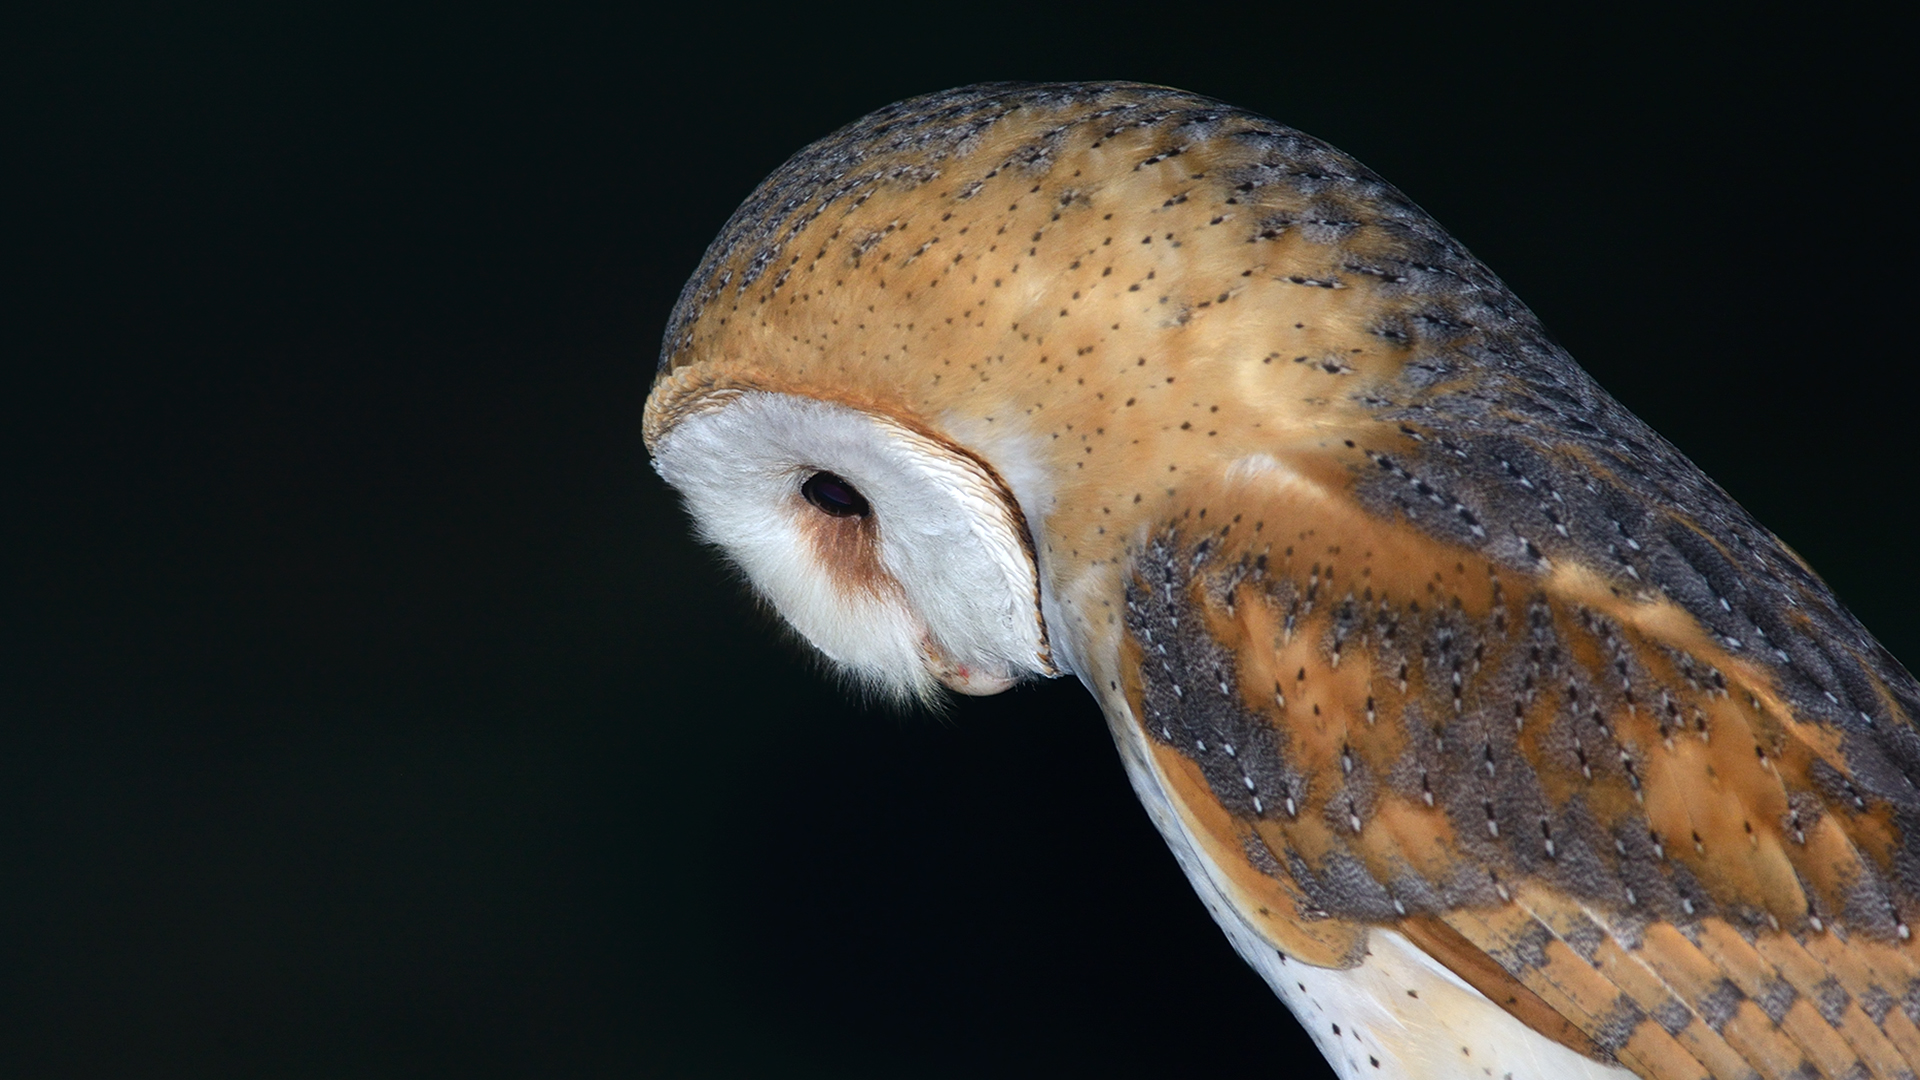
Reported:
(367, 711)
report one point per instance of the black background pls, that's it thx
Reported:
(367, 710)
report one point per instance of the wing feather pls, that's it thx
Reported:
(1788, 1007)
(1840, 1009)
(1880, 978)
(1573, 797)
(1619, 1028)
(1637, 978)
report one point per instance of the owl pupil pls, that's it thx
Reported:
(834, 496)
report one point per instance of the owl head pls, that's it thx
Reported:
(897, 553)
(921, 387)
(944, 366)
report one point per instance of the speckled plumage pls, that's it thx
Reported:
(1413, 627)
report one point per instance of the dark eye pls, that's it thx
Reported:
(834, 496)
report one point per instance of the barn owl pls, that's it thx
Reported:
(1494, 735)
